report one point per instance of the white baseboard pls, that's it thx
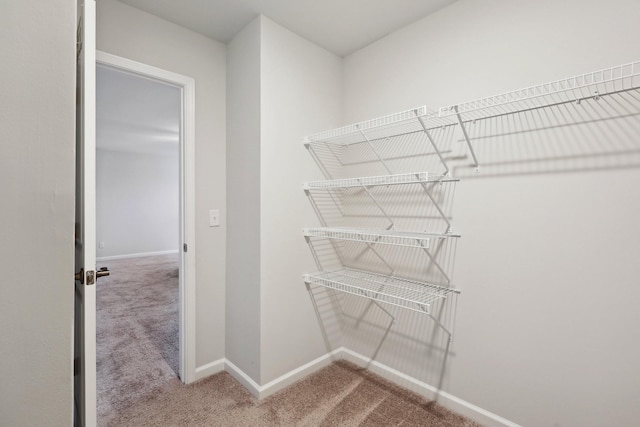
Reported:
(138, 255)
(209, 369)
(242, 378)
(447, 400)
(299, 373)
(262, 391)
(457, 405)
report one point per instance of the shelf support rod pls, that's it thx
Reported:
(435, 263)
(334, 154)
(393, 319)
(380, 257)
(374, 150)
(449, 334)
(366, 189)
(313, 251)
(315, 207)
(322, 168)
(437, 206)
(466, 137)
(433, 143)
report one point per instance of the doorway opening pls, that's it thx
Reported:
(144, 228)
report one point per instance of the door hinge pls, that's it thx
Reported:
(79, 276)
(79, 39)
(184, 247)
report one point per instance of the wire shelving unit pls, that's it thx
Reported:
(404, 293)
(400, 142)
(616, 89)
(384, 162)
(379, 168)
(384, 237)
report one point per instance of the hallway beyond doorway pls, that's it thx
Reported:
(137, 331)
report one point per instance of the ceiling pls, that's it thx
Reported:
(340, 26)
(135, 114)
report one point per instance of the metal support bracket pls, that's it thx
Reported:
(466, 138)
(433, 144)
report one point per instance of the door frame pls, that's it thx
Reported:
(187, 286)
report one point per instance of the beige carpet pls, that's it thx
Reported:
(138, 387)
(136, 332)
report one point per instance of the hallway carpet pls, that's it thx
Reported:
(136, 331)
(137, 384)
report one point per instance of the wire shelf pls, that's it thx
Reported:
(404, 122)
(370, 181)
(408, 294)
(574, 89)
(393, 238)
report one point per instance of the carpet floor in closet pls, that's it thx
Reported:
(137, 361)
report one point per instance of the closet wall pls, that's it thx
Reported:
(281, 87)
(547, 262)
(301, 87)
(243, 201)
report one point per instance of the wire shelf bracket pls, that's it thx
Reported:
(573, 90)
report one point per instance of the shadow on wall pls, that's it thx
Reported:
(599, 132)
(408, 341)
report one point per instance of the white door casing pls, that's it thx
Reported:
(187, 286)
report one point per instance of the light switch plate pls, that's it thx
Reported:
(214, 218)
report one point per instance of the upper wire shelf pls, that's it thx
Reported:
(386, 237)
(409, 294)
(574, 89)
(370, 181)
(404, 122)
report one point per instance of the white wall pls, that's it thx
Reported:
(243, 200)
(137, 202)
(546, 261)
(301, 87)
(280, 88)
(37, 162)
(136, 35)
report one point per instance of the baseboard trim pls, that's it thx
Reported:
(138, 255)
(209, 369)
(459, 406)
(242, 378)
(298, 373)
(262, 391)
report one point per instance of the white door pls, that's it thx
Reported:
(85, 245)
